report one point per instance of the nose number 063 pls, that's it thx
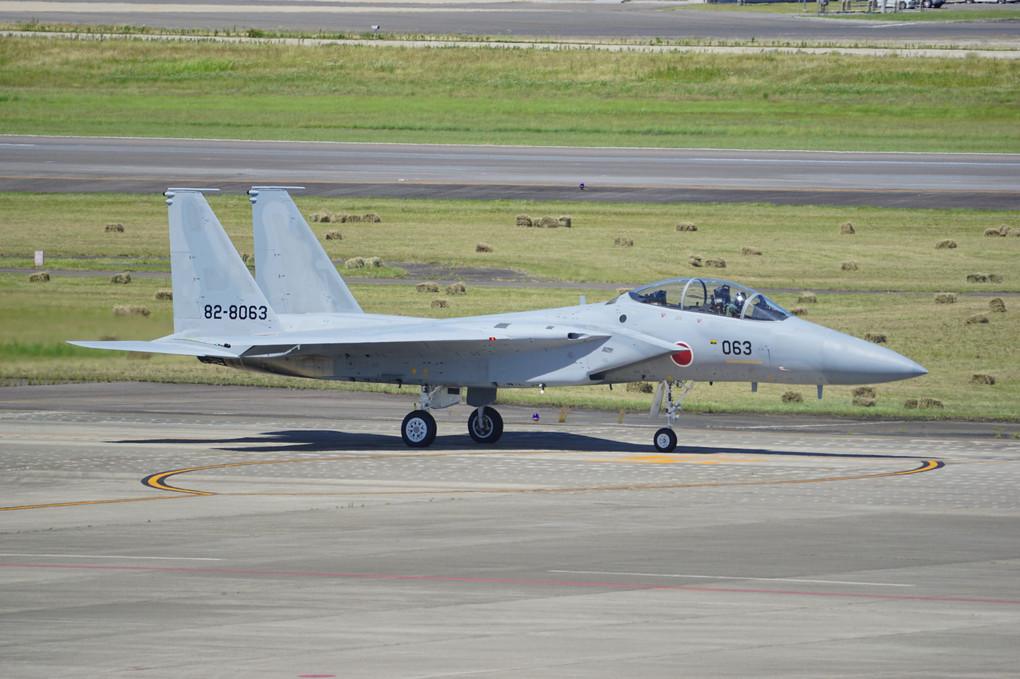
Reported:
(736, 347)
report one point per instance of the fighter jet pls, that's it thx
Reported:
(298, 317)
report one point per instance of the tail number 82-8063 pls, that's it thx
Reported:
(237, 312)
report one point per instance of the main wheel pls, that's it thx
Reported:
(487, 428)
(665, 440)
(418, 429)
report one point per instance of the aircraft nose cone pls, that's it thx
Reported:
(849, 360)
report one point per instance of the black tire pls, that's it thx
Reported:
(418, 429)
(665, 440)
(487, 428)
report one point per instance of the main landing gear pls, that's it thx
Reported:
(665, 438)
(484, 424)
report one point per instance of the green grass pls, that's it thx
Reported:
(802, 248)
(506, 96)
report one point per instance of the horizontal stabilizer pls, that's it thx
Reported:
(177, 347)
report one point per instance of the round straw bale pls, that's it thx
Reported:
(565, 222)
(548, 222)
(641, 387)
(623, 291)
(716, 263)
(798, 311)
(440, 304)
(373, 262)
(997, 305)
(164, 295)
(945, 244)
(371, 218)
(864, 392)
(457, 288)
(355, 263)
(686, 226)
(39, 277)
(876, 337)
(982, 379)
(945, 298)
(846, 228)
(792, 397)
(848, 266)
(624, 241)
(995, 278)
(130, 310)
(247, 258)
(807, 298)
(694, 260)
(334, 235)
(122, 278)
(976, 319)
(863, 402)
(427, 287)
(977, 278)
(483, 247)
(993, 233)
(320, 216)
(750, 252)
(114, 228)
(523, 220)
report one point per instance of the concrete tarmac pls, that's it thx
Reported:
(173, 530)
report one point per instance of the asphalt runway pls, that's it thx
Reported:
(131, 165)
(171, 530)
(578, 20)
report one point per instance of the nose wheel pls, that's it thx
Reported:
(485, 425)
(418, 429)
(665, 440)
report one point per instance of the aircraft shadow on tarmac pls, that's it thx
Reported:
(331, 441)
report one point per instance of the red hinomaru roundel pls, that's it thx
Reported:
(684, 357)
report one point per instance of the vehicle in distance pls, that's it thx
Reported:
(298, 317)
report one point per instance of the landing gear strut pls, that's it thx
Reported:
(665, 439)
(484, 425)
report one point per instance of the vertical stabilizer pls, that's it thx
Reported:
(291, 268)
(213, 291)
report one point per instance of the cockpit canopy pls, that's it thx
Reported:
(710, 296)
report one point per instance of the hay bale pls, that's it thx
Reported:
(547, 222)
(334, 235)
(923, 404)
(121, 278)
(130, 310)
(247, 258)
(641, 387)
(39, 277)
(977, 278)
(457, 288)
(993, 233)
(371, 218)
(997, 305)
(995, 278)
(798, 311)
(523, 220)
(686, 226)
(114, 228)
(715, 263)
(440, 304)
(374, 262)
(623, 291)
(945, 298)
(624, 241)
(982, 379)
(976, 319)
(355, 263)
(945, 244)
(847, 228)
(750, 252)
(324, 216)
(864, 392)
(565, 222)
(792, 397)
(862, 402)
(807, 298)
(164, 295)
(351, 219)
(876, 337)
(848, 266)
(483, 247)
(694, 260)
(427, 287)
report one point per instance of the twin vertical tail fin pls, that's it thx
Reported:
(291, 267)
(214, 294)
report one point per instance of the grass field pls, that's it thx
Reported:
(506, 96)
(802, 249)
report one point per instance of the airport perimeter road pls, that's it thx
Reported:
(170, 530)
(580, 20)
(118, 165)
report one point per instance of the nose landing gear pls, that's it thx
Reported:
(665, 439)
